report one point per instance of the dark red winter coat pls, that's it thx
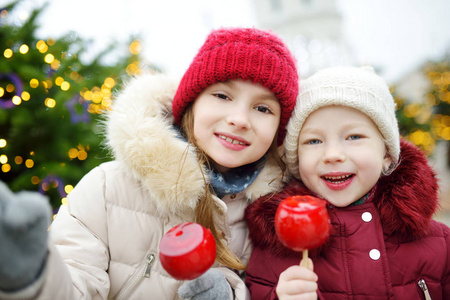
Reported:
(396, 222)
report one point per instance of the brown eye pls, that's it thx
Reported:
(263, 109)
(222, 96)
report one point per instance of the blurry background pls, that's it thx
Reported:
(50, 105)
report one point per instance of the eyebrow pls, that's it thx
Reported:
(229, 83)
(267, 95)
(346, 127)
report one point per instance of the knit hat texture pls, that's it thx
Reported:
(246, 54)
(359, 88)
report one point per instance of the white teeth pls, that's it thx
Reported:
(230, 140)
(337, 177)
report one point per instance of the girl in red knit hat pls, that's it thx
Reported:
(199, 150)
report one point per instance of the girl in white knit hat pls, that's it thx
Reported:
(343, 145)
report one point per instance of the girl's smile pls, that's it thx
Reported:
(232, 142)
(337, 181)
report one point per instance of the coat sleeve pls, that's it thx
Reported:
(79, 257)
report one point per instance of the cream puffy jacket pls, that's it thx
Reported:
(104, 243)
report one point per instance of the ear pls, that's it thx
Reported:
(387, 162)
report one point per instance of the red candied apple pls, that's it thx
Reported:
(187, 251)
(302, 222)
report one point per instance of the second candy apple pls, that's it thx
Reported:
(302, 222)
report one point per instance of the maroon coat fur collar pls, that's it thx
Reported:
(406, 201)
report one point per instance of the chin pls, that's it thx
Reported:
(219, 165)
(338, 202)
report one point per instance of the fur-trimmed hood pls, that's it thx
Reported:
(141, 137)
(406, 201)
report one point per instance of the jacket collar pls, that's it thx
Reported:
(406, 201)
(140, 135)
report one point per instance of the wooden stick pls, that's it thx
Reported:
(304, 261)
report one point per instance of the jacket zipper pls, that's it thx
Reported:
(424, 288)
(137, 278)
(148, 268)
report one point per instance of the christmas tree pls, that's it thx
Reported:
(50, 106)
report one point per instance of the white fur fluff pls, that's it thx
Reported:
(139, 134)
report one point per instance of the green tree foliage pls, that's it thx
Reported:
(50, 105)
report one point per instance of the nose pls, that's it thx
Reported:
(334, 153)
(239, 117)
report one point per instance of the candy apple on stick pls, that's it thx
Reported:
(302, 223)
(187, 251)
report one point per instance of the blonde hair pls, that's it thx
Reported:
(206, 207)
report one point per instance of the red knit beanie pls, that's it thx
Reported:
(241, 53)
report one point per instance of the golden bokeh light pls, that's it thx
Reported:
(10, 88)
(24, 49)
(51, 41)
(110, 82)
(18, 160)
(16, 100)
(82, 155)
(59, 80)
(6, 168)
(133, 69)
(42, 46)
(29, 163)
(135, 47)
(3, 159)
(68, 188)
(8, 53)
(65, 86)
(49, 58)
(55, 64)
(35, 180)
(34, 83)
(25, 96)
(50, 103)
(73, 153)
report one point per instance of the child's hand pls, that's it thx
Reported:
(24, 219)
(298, 283)
(211, 285)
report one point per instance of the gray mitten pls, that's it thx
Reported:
(211, 285)
(24, 220)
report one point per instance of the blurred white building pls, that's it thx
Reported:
(312, 29)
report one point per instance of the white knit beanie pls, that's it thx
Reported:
(359, 88)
